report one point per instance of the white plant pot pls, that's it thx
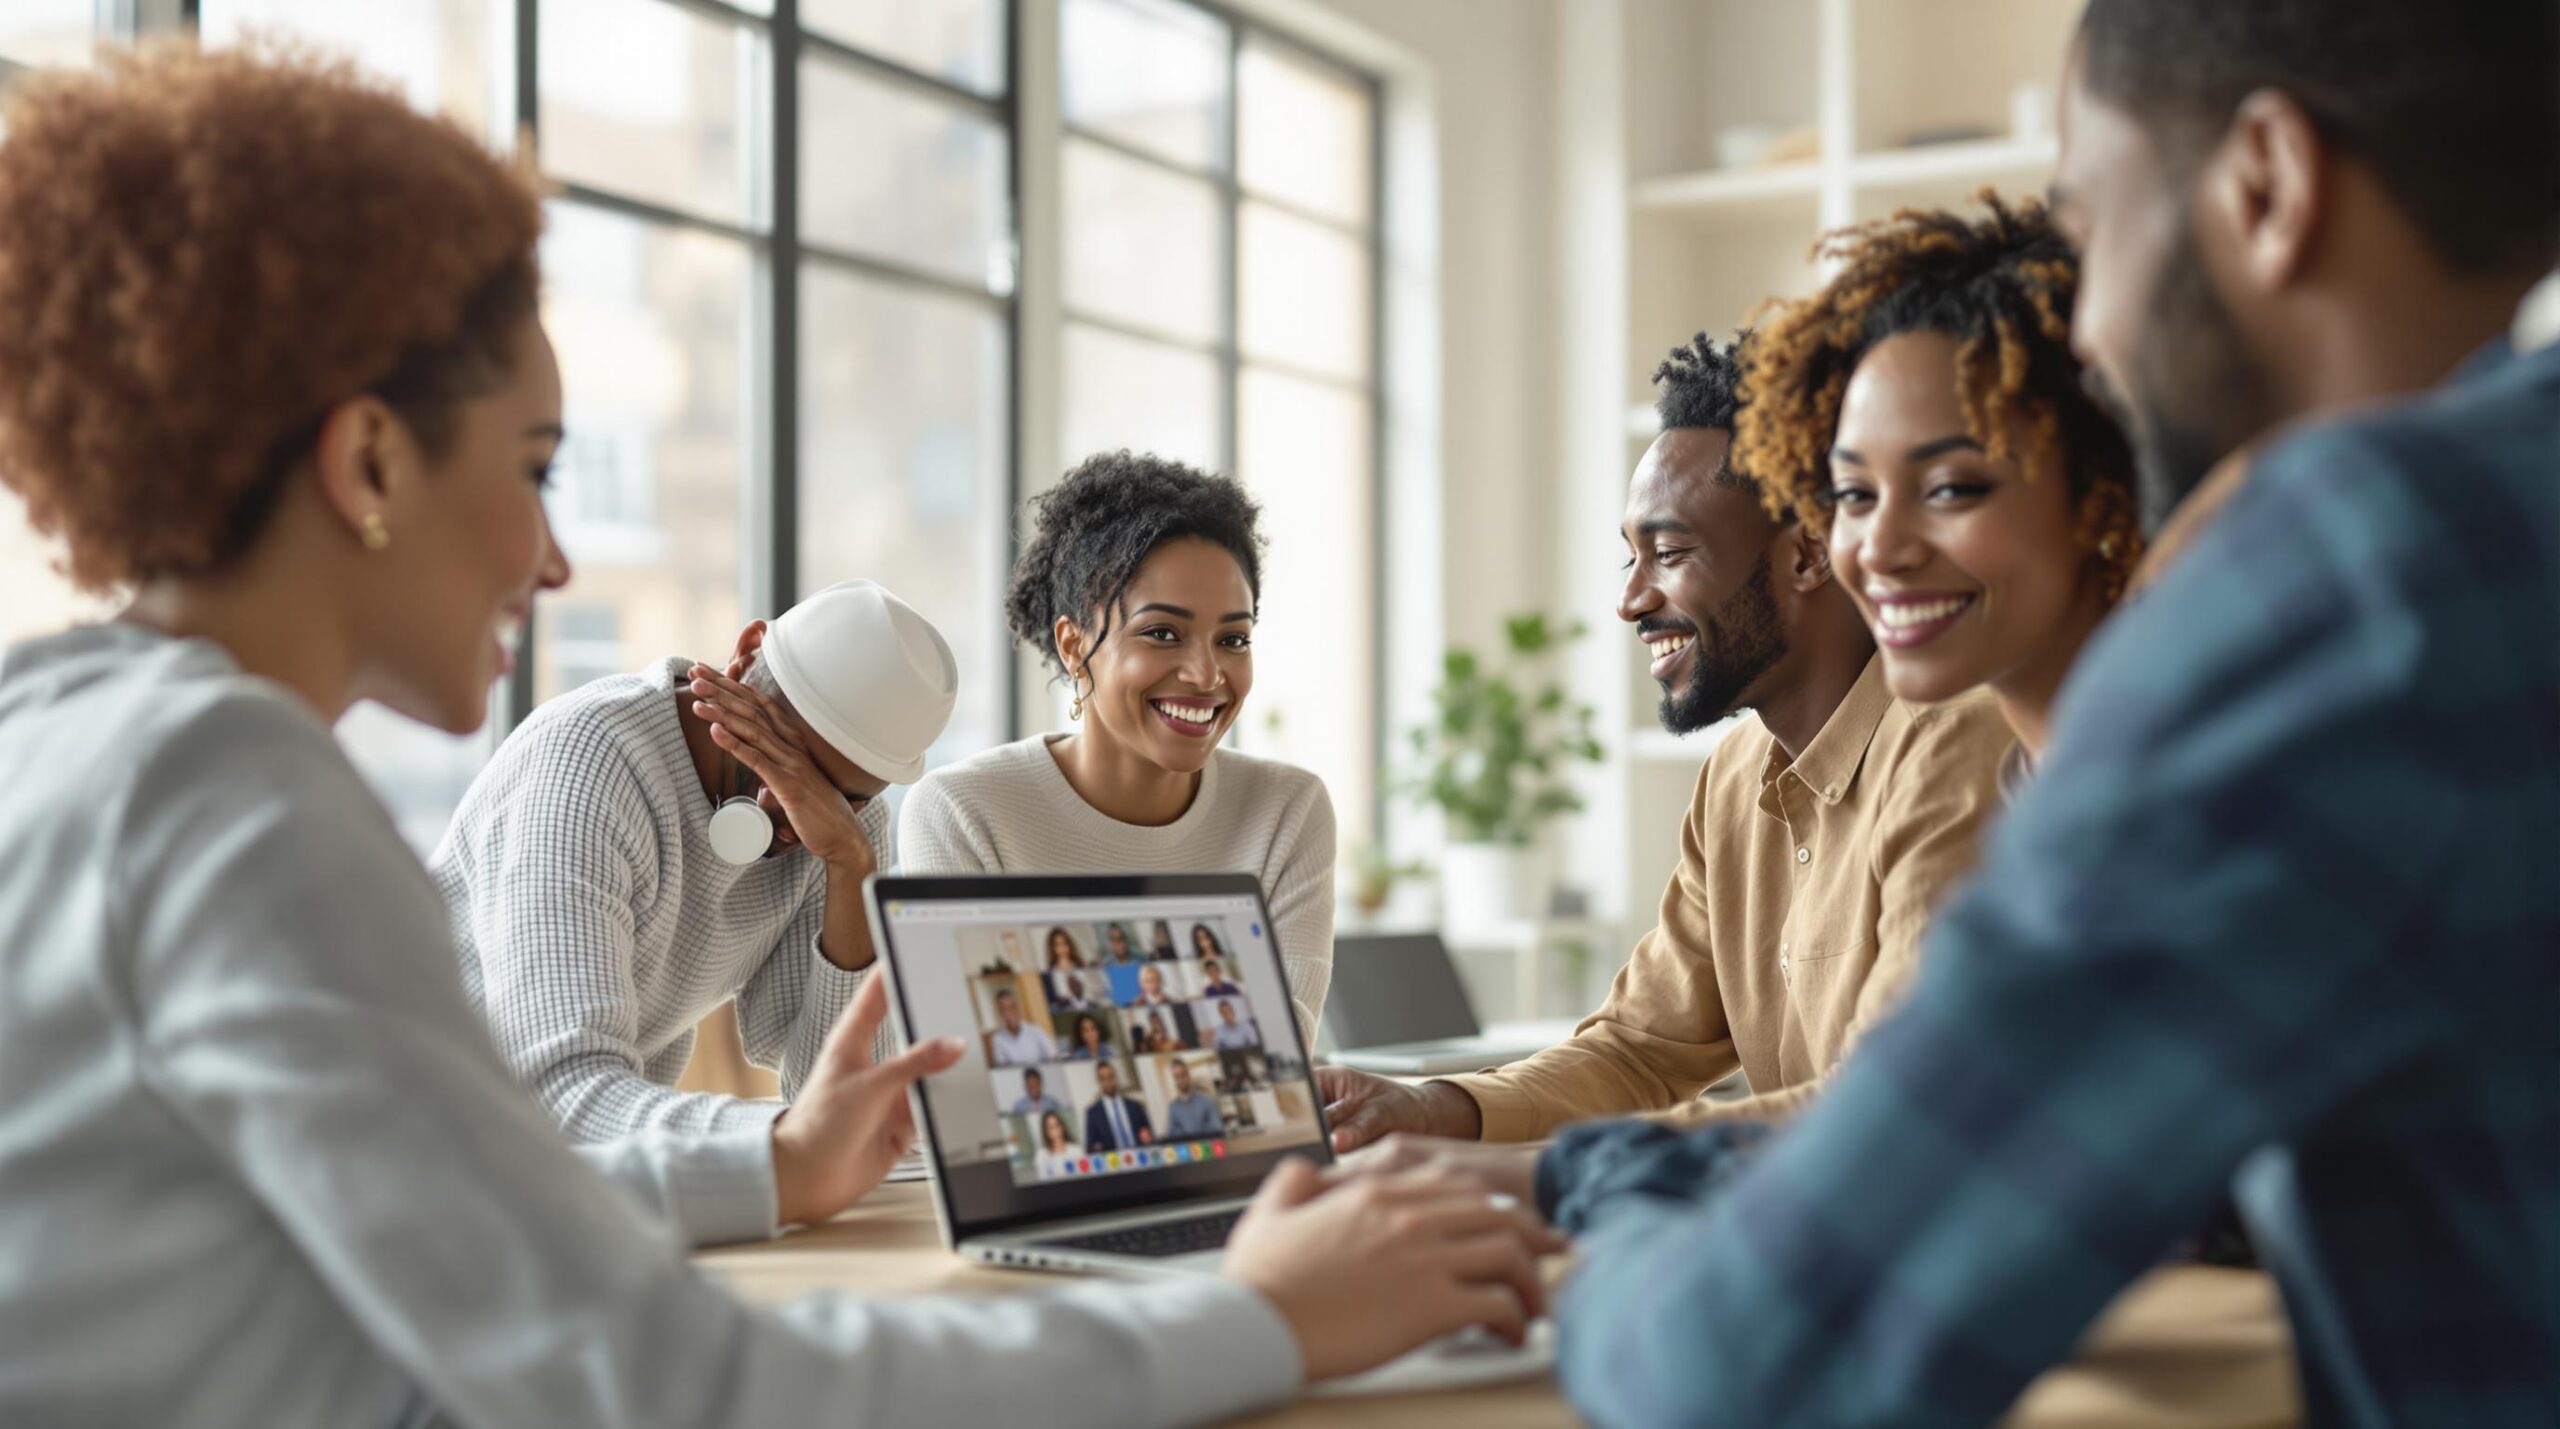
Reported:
(1483, 884)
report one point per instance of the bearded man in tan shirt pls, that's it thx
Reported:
(1823, 834)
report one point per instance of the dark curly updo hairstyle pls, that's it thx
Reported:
(1094, 529)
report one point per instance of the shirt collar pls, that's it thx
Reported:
(1829, 765)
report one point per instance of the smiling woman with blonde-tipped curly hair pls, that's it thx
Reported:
(1925, 412)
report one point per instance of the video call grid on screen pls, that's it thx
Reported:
(1096, 1046)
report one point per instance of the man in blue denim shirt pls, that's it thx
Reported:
(2281, 914)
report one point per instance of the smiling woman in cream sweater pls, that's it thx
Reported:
(1141, 586)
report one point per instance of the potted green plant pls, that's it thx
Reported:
(1495, 760)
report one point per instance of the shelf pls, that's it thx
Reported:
(1981, 161)
(1772, 190)
(1728, 189)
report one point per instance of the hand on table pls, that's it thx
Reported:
(1361, 1108)
(1501, 1169)
(1366, 1269)
(852, 1121)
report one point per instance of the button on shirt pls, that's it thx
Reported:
(1803, 888)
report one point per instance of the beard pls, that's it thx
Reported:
(1742, 639)
(2196, 394)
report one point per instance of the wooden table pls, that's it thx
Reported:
(2186, 1348)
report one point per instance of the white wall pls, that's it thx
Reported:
(1489, 68)
(1473, 297)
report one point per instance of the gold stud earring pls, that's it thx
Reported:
(375, 537)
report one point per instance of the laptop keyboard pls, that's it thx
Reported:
(1159, 1239)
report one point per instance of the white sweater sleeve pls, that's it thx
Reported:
(293, 1001)
(787, 1009)
(549, 913)
(1302, 903)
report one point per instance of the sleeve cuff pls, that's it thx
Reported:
(1592, 1166)
(710, 1188)
(1507, 1112)
(827, 981)
(1219, 1348)
(720, 1187)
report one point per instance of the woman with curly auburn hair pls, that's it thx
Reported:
(1926, 412)
(270, 359)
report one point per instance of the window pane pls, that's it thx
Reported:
(35, 598)
(54, 34)
(896, 175)
(1142, 245)
(447, 56)
(649, 322)
(420, 773)
(649, 101)
(903, 403)
(1149, 73)
(958, 40)
(1145, 396)
(1303, 134)
(1306, 453)
(1304, 293)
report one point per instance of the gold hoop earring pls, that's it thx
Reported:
(375, 537)
(1075, 710)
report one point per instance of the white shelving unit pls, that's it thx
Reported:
(1647, 88)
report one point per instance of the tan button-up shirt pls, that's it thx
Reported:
(1793, 922)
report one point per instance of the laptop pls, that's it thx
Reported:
(1397, 1007)
(1133, 1067)
(1133, 1070)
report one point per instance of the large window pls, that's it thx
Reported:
(780, 275)
(1220, 274)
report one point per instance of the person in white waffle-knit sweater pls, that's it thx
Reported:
(648, 846)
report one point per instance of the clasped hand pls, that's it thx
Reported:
(765, 736)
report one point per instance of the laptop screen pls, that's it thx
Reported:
(1128, 1040)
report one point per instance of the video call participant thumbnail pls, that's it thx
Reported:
(1116, 1121)
(1231, 1030)
(1166, 1029)
(1190, 1112)
(1147, 987)
(1035, 1099)
(1055, 1139)
(1017, 1043)
(1213, 979)
(1116, 947)
(1091, 1036)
